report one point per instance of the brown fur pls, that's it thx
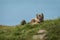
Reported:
(23, 22)
(39, 18)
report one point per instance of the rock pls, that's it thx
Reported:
(41, 35)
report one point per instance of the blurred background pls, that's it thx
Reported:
(12, 12)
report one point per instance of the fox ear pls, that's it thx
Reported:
(36, 15)
(42, 14)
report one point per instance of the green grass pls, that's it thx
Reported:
(25, 32)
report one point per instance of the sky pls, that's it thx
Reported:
(12, 12)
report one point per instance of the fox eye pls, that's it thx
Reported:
(39, 15)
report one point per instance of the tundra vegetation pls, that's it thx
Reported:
(26, 32)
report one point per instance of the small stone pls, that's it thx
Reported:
(41, 35)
